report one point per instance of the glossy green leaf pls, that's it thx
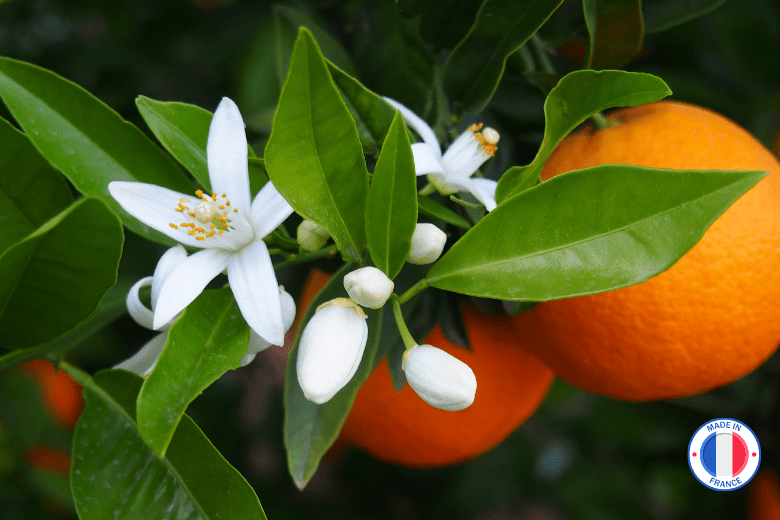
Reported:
(616, 32)
(309, 428)
(209, 339)
(588, 231)
(391, 213)
(433, 209)
(115, 475)
(373, 115)
(55, 278)
(660, 15)
(111, 307)
(90, 143)
(31, 191)
(577, 96)
(183, 130)
(446, 22)
(476, 65)
(314, 156)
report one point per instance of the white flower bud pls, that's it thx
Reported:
(427, 244)
(330, 349)
(440, 379)
(311, 236)
(369, 287)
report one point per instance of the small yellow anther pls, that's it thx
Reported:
(214, 197)
(227, 203)
(199, 238)
(221, 231)
(199, 193)
(224, 195)
(174, 226)
(213, 226)
(235, 210)
(222, 207)
(179, 210)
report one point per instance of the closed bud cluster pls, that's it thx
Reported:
(311, 236)
(427, 244)
(440, 379)
(369, 287)
(330, 349)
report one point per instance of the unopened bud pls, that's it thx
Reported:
(330, 349)
(427, 244)
(311, 236)
(440, 379)
(369, 287)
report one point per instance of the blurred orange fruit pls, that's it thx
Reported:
(49, 460)
(399, 427)
(59, 392)
(713, 316)
(764, 496)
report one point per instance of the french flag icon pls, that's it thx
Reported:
(724, 454)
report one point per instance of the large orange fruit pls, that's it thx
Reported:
(711, 318)
(764, 496)
(60, 394)
(401, 428)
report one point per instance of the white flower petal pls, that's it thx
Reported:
(169, 261)
(425, 160)
(288, 308)
(254, 285)
(269, 209)
(226, 153)
(256, 343)
(248, 358)
(144, 360)
(420, 126)
(138, 311)
(155, 207)
(485, 191)
(187, 281)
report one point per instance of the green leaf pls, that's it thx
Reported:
(446, 22)
(661, 15)
(55, 278)
(577, 96)
(476, 65)
(209, 339)
(433, 209)
(372, 114)
(31, 191)
(391, 213)
(90, 143)
(111, 307)
(309, 428)
(411, 8)
(588, 231)
(616, 32)
(183, 130)
(115, 475)
(314, 156)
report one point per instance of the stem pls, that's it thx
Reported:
(406, 336)
(599, 121)
(77, 374)
(427, 189)
(307, 257)
(539, 50)
(413, 290)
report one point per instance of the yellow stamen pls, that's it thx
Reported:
(213, 226)
(174, 226)
(199, 193)
(222, 207)
(214, 197)
(199, 238)
(179, 210)
(475, 127)
(221, 231)
(224, 195)
(235, 210)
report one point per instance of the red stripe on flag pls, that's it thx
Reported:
(739, 453)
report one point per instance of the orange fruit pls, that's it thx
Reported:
(709, 319)
(48, 459)
(60, 394)
(764, 496)
(399, 427)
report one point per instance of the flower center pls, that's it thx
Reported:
(488, 139)
(211, 211)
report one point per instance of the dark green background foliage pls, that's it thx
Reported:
(581, 456)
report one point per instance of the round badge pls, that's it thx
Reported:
(724, 454)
